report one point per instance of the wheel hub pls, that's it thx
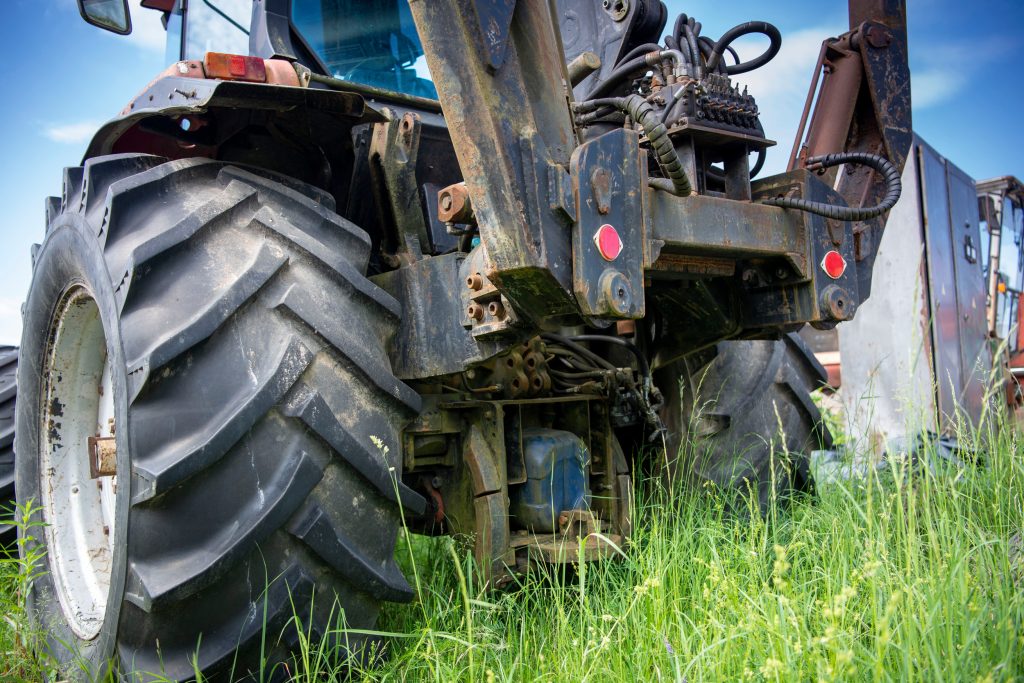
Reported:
(78, 462)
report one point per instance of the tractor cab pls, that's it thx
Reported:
(372, 44)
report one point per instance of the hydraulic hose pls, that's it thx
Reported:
(617, 75)
(640, 51)
(646, 60)
(719, 176)
(641, 111)
(893, 188)
(735, 32)
(691, 40)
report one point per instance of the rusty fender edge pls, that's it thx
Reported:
(175, 96)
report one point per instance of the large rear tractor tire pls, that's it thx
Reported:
(742, 417)
(208, 423)
(8, 395)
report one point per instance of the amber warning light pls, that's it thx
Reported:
(235, 67)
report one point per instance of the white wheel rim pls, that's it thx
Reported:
(77, 508)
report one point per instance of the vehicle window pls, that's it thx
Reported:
(370, 42)
(1010, 258)
(217, 26)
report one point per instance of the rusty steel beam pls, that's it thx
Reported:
(892, 13)
(504, 88)
(862, 105)
(722, 227)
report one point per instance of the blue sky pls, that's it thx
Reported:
(65, 78)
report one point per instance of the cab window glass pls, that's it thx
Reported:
(217, 26)
(373, 42)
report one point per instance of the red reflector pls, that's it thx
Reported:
(235, 67)
(833, 264)
(608, 242)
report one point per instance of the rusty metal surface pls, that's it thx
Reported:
(102, 456)
(891, 12)
(171, 97)
(957, 289)
(790, 300)
(394, 150)
(454, 204)
(842, 74)
(863, 106)
(515, 134)
(722, 227)
(609, 178)
(432, 339)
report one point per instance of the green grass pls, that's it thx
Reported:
(912, 575)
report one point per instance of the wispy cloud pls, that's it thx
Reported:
(935, 86)
(71, 133)
(147, 30)
(942, 69)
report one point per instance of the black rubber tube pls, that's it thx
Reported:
(691, 40)
(618, 75)
(645, 368)
(893, 188)
(639, 51)
(747, 28)
(719, 176)
(580, 350)
(641, 111)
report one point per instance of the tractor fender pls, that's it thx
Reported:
(183, 114)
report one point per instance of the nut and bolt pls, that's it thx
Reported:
(836, 304)
(453, 205)
(475, 312)
(475, 282)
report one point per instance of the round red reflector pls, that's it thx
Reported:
(834, 264)
(608, 242)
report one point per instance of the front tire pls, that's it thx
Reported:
(255, 417)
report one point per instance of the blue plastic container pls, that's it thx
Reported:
(557, 470)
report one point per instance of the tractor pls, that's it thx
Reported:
(466, 267)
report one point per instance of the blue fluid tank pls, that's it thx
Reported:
(557, 468)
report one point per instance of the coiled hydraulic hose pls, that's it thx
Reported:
(741, 30)
(641, 111)
(893, 188)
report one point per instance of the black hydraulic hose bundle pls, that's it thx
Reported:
(581, 365)
(641, 111)
(893, 188)
(700, 52)
(690, 35)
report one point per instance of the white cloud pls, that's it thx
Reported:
(71, 133)
(941, 69)
(147, 30)
(934, 86)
